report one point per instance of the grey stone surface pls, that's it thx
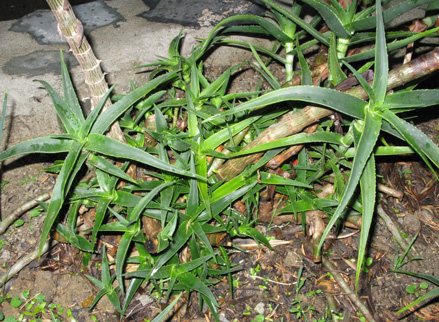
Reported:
(197, 13)
(38, 63)
(41, 24)
(119, 36)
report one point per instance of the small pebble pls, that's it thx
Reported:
(260, 308)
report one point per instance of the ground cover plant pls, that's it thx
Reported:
(195, 162)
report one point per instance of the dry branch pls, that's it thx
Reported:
(347, 290)
(292, 123)
(24, 261)
(6, 222)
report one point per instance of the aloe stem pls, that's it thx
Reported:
(342, 47)
(292, 123)
(289, 60)
(72, 29)
(217, 162)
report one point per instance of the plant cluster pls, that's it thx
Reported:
(199, 149)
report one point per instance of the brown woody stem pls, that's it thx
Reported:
(72, 29)
(294, 122)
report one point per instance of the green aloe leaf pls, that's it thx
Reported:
(165, 236)
(219, 83)
(191, 281)
(254, 234)
(96, 282)
(381, 62)
(304, 67)
(69, 119)
(339, 101)
(221, 203)
(174, 46)
(168, 309)
(110, 147)
(98, 296)
(427, 277)
(432, 294)
(193, 198)
(305, 26)
(368, 196)
(180, 238)
(94, 114)
(122, 251)
(114, 299)
(101, 210)
(59, 192)
(76, 240)
(108, 167)
(331, 17)
(388, 15)
(420, 142)
(370, 92)
(369, 136)
(225, 134)
(301, 138)
(269, 178)
(334, 64)
(138, 209)
(265, 51)
(112, 113)
(69, 91)
(390, 46)
(271, 28)
(38, 145)
(411, 99)
(263, 69)
(145, 262)
(201, 169)
(167, 271)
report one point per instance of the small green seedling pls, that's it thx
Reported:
(415, 288)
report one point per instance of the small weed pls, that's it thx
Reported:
(2, 241)
(3, 184)
(400, 261)
(35, 309)
(415, 288)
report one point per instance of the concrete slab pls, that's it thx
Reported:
(41, 24)
(123, 34)
(197, 13)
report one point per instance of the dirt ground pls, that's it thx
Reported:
(266, 289)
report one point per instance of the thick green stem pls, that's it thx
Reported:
(289, 61)
(292, 123)
(342, 47)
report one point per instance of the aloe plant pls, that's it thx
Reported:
(181, 126)
(374, 115)
(84, 139)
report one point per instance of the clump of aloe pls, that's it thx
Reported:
(199, 148)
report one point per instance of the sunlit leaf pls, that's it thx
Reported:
(369, 136)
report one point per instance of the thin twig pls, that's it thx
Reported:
(347, 290)
(395, 193)
(394, 230)
(6, 222)
(24, 261)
